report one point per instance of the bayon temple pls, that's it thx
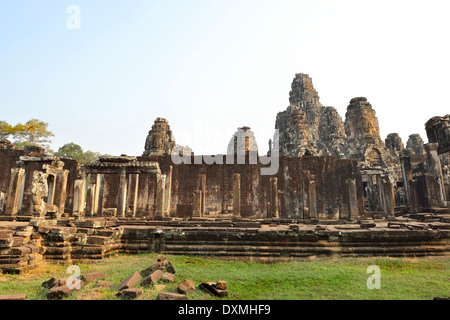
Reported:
(327, 186)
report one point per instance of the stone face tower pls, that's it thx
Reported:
(363, 131)
(415, 145)
(306, 127)
(160, 140)
(243, 141)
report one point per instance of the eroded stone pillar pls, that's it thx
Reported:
(160, 191)
(168, 193)
(202, 188)
(13, 193)
(389, 198)
(352, 199)
(197, 208)
(306, 178)
(274, 198)
(78, 198)
(132, 192)
(60, 189)
(414, 196)
(236, 194)
(122, 197)
(434, 168)
(93, 193)
(407, 177)
(312, 200)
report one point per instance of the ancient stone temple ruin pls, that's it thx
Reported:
(328, 186)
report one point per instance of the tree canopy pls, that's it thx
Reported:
(74, 151)
(33, 133)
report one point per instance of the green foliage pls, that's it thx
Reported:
(33, 133)
(74, 151)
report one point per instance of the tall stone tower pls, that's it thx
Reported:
(160, 140)
(306, 127)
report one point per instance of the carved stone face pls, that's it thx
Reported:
(39, 184)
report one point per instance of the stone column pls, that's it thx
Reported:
(93, 192)
(202, 188)
(352, 199)
(13, 193)
(236, 195)
(2, 202)
(414, 196)
(132, 191)
(60, 189)
(407, 177)
(434, 168)
(122, 197)
(312, 200)
(160, 190)
(274, 198)
(168, 193)
(389, 198)
(197, 208)
(306, 178)
(78, 198)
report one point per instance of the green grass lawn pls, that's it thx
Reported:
(346, 278)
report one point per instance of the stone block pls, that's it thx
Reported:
(171, 296)
(60, 292)
(130, 281)
(89, 277)
(54, 282)
(8, 297)
(153, 267)
(169, 267)
(168, 277)
(130, 294)
(211, 288)
(152, 279)
(187, 286)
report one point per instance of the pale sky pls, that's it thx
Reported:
(212, 66)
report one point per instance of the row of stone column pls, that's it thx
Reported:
(308, 193)
(56, 190)
(127, 194)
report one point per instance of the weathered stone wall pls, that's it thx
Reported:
(8, 160)
(293, 197)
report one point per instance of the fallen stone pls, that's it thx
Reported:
(153, 267)
(8, 297)
(187, 286)
(221, 285)
(171, 296)
(104, 284)
(130, 281)
(152, 279)
(89, 277)
(210, 287)
(60, 292)
(169, 267)
(54, 282)
(168, 277)
(130, 294)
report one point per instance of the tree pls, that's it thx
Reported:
(70, 151)
(74, 151)
(33, 133)
(5, 129)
